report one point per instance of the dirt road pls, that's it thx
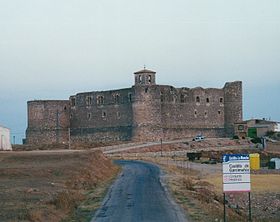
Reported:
(138, 195)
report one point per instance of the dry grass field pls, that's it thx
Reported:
(52, 186)
(260, 183)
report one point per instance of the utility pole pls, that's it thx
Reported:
(161, 147)
(57, 127)
(69, 138)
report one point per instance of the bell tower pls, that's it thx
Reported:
(146, 107)
(145, 77)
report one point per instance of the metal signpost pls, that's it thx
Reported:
(236, 176)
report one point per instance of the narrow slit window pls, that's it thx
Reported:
(73, 102)
(89, 116)
(129, 97)
(117, 98)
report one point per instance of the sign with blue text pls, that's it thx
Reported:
(236, 173)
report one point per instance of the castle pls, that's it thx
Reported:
(144, 112)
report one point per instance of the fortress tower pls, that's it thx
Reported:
(146, 107)
(233, 105)
(48, 121)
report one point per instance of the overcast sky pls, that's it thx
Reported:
(50, 49)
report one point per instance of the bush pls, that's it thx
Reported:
(256, 140)
(270, 133)
(235, 137)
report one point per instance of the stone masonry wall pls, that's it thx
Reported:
(48, 121)
(141, 113)
(146, 113)
(101, 116)
(233, 105)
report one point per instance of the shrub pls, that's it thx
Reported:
(235, 137)
(256, 140)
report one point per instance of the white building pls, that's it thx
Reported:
(5, 143)
(277, 128)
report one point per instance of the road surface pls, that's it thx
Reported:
(138, 195)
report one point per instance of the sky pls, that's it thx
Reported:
(51, 49)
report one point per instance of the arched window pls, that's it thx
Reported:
(197, 99)
(100, 100)
(88, 100)
(149, 79)
(117, 98)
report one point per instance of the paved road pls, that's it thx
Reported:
(138, 195)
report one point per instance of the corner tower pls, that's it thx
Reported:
(232, 105)
(146, 107)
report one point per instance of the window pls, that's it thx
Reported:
(207, 100)
(221, 100)
(73, 101)
(240, 127)
(117, 98)
(89, 100)
(118, 115)
(149, 79)
(146, 90)
(195, 113)
(161, 97)
(89, 115)
(140, 79)
(219, 112)
(182, 98)
(104, 114)
(129, 97)
(65, 108)
(100, 100)
(197, 99)
(205, 114)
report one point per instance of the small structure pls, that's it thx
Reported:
(5, 143)
(274, 163)
(255, 161)
(255, 128)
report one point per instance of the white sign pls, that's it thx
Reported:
(236, 173)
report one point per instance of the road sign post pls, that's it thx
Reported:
(236, 176)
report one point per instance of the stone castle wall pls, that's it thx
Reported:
(145, 112)
(101, 116)
(48, 121)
